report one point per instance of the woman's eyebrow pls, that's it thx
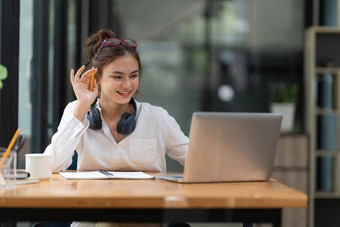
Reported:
(135, 71)
(119, 72)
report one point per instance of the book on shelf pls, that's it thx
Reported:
(325, 91)
(326, 133)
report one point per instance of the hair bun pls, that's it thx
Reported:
(94, 42)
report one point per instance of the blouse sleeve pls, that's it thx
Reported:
(177, 143)
(65, 141)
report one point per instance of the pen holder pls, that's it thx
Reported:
(8, 169)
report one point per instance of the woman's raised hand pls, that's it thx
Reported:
(85, 97)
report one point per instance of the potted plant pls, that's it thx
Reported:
(285, 103)
(3, 74)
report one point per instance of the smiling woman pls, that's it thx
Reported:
(119, 133)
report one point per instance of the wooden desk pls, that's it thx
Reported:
(147, 201)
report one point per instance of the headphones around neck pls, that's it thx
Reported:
(125, 126)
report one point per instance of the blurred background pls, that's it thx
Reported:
(197, 55)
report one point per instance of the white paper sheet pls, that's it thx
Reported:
(96, 175)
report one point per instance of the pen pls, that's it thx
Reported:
(91, 86)
(9, 148)
(106, 173)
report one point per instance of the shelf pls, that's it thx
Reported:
(322, 70)
(321, 46)
(327, 195)
(326, 112)
(324, 30)
(324, 153)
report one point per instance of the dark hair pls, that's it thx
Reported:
(108, 53)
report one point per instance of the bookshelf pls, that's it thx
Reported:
(322, 114)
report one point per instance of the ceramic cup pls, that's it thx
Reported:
(39, 165)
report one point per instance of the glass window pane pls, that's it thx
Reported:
(25, 58)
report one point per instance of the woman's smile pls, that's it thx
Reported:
(125, 94)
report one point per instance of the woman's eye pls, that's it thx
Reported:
(117, 77)
(134, 76)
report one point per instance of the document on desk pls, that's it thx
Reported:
(102, 175)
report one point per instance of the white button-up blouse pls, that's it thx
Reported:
(156, 134)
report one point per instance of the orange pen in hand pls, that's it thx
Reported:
(91, 85)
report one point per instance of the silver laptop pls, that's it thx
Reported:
(230, 147)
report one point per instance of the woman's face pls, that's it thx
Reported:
(120, 80)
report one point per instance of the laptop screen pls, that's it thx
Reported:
(232, 146)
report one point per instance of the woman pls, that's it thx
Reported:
(118, 133)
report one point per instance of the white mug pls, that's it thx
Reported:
(39, 165)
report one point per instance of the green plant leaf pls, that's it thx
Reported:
(0, 84)
(3, 72)
(288, 93)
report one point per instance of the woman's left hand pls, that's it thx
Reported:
(85, 97)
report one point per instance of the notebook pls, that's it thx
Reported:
(103, 174)
(230, 147)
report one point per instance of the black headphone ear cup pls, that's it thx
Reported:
(126, 124)
(95, 119)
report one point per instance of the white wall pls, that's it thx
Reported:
(276, 24)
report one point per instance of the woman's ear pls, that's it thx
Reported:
(97, 78)
(99, 89)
